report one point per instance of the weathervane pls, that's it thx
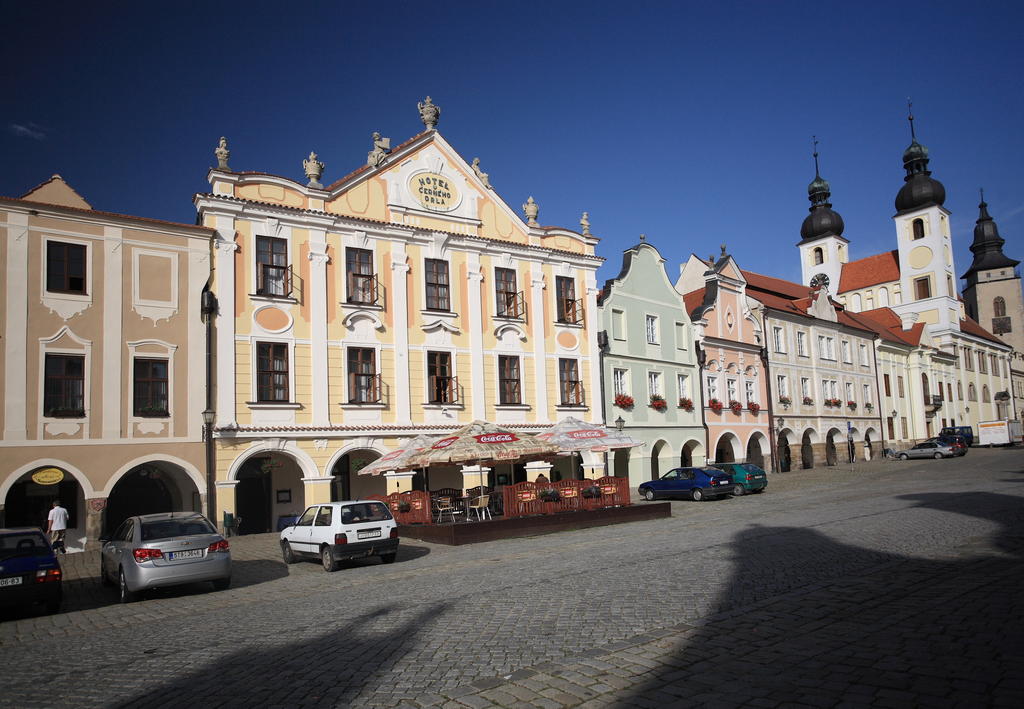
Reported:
(814, 140)
(910, 117)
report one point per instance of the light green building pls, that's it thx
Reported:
(648, 351)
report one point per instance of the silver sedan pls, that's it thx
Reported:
(928, 449)
(167, 549)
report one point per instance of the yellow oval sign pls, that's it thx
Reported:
(48, 476)
(435, 192)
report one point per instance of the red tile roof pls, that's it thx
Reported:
(888, 325)
(693, 300)
(972, 327)
(870, 271)
(771, 284)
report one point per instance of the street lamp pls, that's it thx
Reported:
(211, 488)
(619, 423)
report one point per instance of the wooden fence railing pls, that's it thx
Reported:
(411, 507)
(523, 499)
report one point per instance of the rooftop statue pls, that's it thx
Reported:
(585, 223)
(381, 148)
(222, 154)
(429, 113)
(481, 174)
(314, 169)
(531, 210)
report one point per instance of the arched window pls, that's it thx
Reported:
(972, 393)
(985, 398)
(917, 227)
(857, 303)
(883, 297)
(959, 391)
(999, 307)
(819, 256)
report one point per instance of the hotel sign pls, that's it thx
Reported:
(48, 476)
(434, 192)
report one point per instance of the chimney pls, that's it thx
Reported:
(907, 320)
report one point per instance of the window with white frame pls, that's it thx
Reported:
(801, 344)
(730, 387)
(620, 381)
(712, 387)
(749, 390)
(833, 387)
(618, 325)
(780, 339)
(684, 385)
(652, 329)
(680, 336)
(654, 384)
(863, 355)
(849, 391)
(867, 394)
(847, 357)
(782, 385)
(805, 387)
(830, 347)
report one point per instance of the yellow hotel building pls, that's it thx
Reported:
(405, 298)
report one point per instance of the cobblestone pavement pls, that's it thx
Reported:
(891, 584)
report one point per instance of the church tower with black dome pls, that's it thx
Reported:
(823, 250)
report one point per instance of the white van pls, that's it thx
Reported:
(337, 531)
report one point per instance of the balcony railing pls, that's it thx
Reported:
(570, 311)
(443, 389)
(364, 388)
(274, 281)
(364, 289)
(511, 304)
(572, 393)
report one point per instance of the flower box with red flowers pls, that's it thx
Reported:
(658, 403)
(624, 401)
(753, 407)
(785, 400)
(735, 406)
(852, 405)
(715, 405)
(686, 404)
(808, 401)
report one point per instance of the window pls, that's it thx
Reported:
(150, 387)
(847, 357)
(442, 387)
(712, 387)
(652, 329)
(362, 281)
(748, 387)
(569, 382)
(782, 384)
(949, 391)
(985, 398)
(903, 425)
(825, 393)
(867, 393)
(364, 386)
(273, 276)
(65, 267)
(64, 386)
(730, 385)
(826, 347)
(917, 229)
(437, 285)
(680, 336)
(271, 371)
(323, 517)
(886, 384)
(805, 387)
(567, 308)
(891, 427)
(510, 304)
(999, 307)
(620, 381)
(994, 361)
(780, 340)
(684, 385)
(801, 344)
(899, 385)
(508, 380)
(949, 286)
(968, 360)
(654, 384)
(922, 288)
(972, 393)
(849, 391)
(959, 391)
(819, 256)
(982, 365)
(618, 325)
(863, 355)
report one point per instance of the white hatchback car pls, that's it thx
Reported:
(337, 531)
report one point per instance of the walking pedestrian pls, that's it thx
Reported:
(57, 526)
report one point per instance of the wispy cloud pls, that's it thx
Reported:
(1013, 212)
(27, 130)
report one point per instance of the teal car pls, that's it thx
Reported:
(746, 477)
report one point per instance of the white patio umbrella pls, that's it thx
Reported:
(573, 436)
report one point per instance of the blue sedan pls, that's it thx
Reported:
(695, 483)
(29, 570)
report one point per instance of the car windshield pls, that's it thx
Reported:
(168, 528)
(24, 544)
(365, 512)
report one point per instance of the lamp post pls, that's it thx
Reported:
(211, 487)
(619, 423)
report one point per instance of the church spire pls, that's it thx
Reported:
(823, 220)
(987, 246)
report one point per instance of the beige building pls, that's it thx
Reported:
(102, 360)
(404, 298)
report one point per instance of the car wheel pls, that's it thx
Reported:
(287, 553)
(738, 490)
(104, 579)
(937, 456)
(125, 595)
(388, 558)
(222, 584)
(648, 494)
(697, 494)
(904, 456)
(327, 558)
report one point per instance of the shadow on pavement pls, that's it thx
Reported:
(873, 629)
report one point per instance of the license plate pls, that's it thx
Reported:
(12, 581)
(190, 554)
(367, 533)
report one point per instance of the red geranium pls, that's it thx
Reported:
(715, 405)
(685, 403)
(735, 406)
(658, 402)
(754, 407)
(624, 401)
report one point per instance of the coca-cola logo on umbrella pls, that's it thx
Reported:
(496, 438)
(392, 454)
(444, 443)
(586, 434)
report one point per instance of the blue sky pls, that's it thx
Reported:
(689, 122)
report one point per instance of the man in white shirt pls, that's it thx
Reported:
(57, 526)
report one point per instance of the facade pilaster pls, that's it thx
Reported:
(476, 336)
(594, 359)
(16, 332)
(399, 298)
(540, 363)
(113, 270)
(318, 259)
(225, 269)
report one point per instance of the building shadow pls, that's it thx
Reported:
(859, 625)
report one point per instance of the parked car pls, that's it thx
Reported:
(29, 570)
(695, 483)
(337, 531)
(966, 431)
(746, 477)
(927, 449)
(959, 443)
(166, 549)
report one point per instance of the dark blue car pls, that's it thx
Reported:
(695, 483)
(29, 570)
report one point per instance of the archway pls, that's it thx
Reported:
(869, 448)
(620, 464)
(807, 442)
(269, 487)
(348, 484)
(785, 461)
(154, 486)
(693, 454)
(831, 454)
(28, 503)
(727, 448)
(756, 449)
(657, 468)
